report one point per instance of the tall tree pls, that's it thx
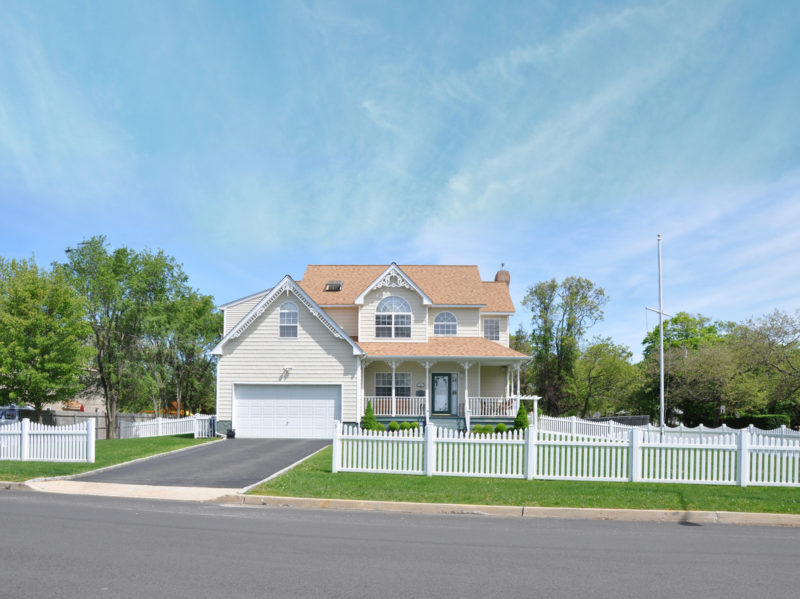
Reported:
(43, 346)
(126, 297)
(604, 378)
(687, 332)
(772, 343)
(561, 314)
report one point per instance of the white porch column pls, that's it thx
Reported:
(508, 378)
(518, 369)
(479, 379)
(359, 390)
(393, 364)
(427, 392)
(466, 366)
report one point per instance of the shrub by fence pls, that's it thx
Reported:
(31, 441)
(731, 458)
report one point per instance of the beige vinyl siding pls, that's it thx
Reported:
(468, 320)
(367, 314)
(234, 314)
(259, 355)
(504, 337)
(347, 318)
(493, 381)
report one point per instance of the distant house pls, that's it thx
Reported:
(417, 342)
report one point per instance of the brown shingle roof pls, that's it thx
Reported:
(442, 347)
(443, 284)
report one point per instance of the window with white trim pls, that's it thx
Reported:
(288, 320)
(393, 318)
(445, 324)
(491, 328)
(402, 384)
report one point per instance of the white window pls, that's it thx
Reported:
(393, 318)
(402, 384)
(288, 320)
(445, 323)
(491, 328)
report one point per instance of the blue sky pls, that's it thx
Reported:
(249, 139)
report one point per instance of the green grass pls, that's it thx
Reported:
(313, 478)
(107, 453)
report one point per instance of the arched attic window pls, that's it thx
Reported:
(288, 320)
(393, 318)
(445, 324)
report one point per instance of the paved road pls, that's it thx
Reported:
(78, 547)
(232, 463)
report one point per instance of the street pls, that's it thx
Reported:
(80, 546)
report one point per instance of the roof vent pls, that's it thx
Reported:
(503, 276)
(333, 286)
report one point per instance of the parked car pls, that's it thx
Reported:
(9, 414)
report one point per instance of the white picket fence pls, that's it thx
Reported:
(615, 430)
(732, 458)
(31, 441)
(201, 425)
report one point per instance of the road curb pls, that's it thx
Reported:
(6, 485)
(624, 515)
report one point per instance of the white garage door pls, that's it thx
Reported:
(286, 411)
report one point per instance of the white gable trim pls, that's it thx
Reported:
(393, 277)
(287, 285)
(242, 299)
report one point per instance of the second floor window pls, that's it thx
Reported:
(288, 320)
(393, 318)
(491, 328)
(445, 324)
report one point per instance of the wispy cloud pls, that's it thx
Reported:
(53, 131)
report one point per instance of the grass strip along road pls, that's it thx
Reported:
(107, 453)
(313, 478)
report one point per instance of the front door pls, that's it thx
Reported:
(441, 393)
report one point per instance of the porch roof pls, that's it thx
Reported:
(440, 347)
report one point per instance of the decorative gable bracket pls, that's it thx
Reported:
(393, 277)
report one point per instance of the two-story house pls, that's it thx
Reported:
(417, 342)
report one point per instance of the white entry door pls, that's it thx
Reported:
(286, 411)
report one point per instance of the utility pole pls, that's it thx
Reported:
(661, 315)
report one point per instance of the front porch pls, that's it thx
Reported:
(445, 390)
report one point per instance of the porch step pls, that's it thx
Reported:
(453, 423)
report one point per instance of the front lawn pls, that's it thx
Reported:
(107, 453)
(313, 478)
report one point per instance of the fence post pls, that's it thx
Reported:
(158, 426)
(430, 449)
(611, 430)
(743, 477)
(530, 452)
(572, 425)
(90, 438)
(337, 446)
(24, 440)
(635, 456)
(196, 426)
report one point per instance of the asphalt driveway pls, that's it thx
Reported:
(231, 463)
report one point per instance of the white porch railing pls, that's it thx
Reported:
(30, 441)
(498, 407)
(201, 425)
(397, 406)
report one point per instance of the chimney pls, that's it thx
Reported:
(503, 276)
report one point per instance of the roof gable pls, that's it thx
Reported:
(287, 285)
(393, 277)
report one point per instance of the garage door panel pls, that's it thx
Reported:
(286, 411)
